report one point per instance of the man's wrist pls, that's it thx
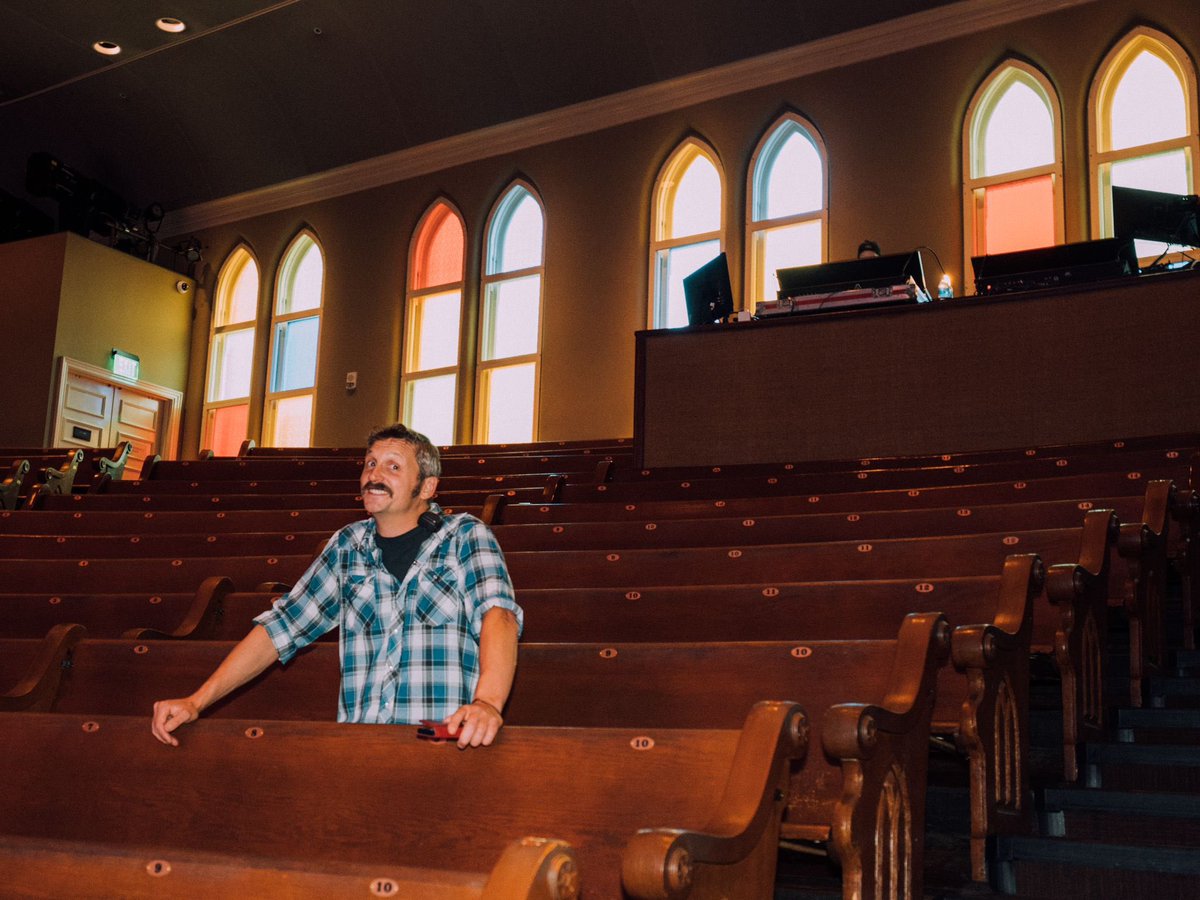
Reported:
(492, 706)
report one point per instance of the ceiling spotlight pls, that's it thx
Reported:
(171, 24)
(108, 48)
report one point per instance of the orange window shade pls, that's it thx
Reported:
(439, 255)
(227, 429)
(1017, 216)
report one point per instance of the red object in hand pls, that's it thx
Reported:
(435, 731)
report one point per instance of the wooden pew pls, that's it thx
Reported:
(1078, 593)
(110, 615)
(14, 480)
(341, 486)
(887, 685)
(140, 546)
(696, 812)
(96, 502)
(722, 487)
(1138, 586)
(988, 685)
(148, 575)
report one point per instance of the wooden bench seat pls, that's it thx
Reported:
(1130, 448)
(722, 487)
(368, 806)
(152, 544)
(641, 686)
(342, 486)
(110, 615)
(132, 522)
(182, 502)
(1137, 589)
(147, 575)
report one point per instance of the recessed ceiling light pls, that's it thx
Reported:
(108, 48)
(171, 24)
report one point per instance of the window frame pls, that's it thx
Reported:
(413, 297)
(662, 197)
(272, 398)
(975, 122)
(484, 367)
(768, 147)
(1103, 87)
(228, 275)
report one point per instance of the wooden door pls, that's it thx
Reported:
(139, 419)
(93, 408)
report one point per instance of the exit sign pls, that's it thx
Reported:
(125, 364)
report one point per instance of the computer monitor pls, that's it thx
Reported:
(1156, 216)
(869, 272)
(708, 292)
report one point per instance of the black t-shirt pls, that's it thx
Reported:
(400, 551)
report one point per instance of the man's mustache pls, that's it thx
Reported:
(378, 486)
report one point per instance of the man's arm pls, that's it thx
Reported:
(480, 720)
(250, 657)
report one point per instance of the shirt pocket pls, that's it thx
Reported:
(437, 598)
(361, 615)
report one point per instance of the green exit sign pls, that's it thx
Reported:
(125, 364)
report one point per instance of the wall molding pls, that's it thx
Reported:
(861, 45)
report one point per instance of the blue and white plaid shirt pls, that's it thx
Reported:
(409, 649)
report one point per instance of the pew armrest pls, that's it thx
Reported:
(200, 621)
(38, 687)
(669, 862)
(10, 488)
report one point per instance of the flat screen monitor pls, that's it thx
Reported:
(1156, 216)
(850, 274)
(708, 292)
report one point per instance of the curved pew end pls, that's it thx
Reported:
(37, 689)
(1079, 591)
(994, 728)
(201, 620)
(734, 855)
(10, 488)
(534, 869)
(878, 829)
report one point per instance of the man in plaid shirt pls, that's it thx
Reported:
(428, 621)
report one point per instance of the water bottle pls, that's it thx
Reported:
(945, 288)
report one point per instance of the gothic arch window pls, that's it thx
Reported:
(510, 332)
(295, 337)
(1012, 163)
(788, 213)
(433, 324)
(1142, 122)
(229, 372)
(687, 227)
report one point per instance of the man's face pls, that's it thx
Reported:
(391, 483)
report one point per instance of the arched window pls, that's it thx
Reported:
(295, 333)
(1142, 121)
(231, 355)
(1012, 163)
(510, 334)
(687, 227)
(788, 212)
(433, 314)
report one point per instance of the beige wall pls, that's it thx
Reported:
(110, 299)
(892, 128)
(30, 282)
(62, 295)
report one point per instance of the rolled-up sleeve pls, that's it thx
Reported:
(486, 583)
(309, 609)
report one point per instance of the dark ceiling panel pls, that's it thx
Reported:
(297, 87)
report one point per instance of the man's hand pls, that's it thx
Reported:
(169, 715)
(477, 724)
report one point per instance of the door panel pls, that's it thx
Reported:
(139, 420)
(86, 415)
